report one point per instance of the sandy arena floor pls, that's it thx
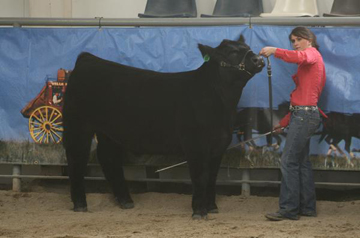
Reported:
(48, 214)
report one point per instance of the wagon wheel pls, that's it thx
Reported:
(45, 125)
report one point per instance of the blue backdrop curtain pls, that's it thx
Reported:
(30, 56)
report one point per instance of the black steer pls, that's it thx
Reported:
(338, 127)
(146, 112)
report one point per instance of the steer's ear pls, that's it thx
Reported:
(205, 50)
(241, 39)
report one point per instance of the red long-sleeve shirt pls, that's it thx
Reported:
(309, 80)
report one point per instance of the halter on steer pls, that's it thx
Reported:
(241, 67)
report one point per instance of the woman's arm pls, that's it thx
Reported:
(298, 57)
(290, 56)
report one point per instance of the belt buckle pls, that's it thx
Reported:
(311, 108)
(305, 108)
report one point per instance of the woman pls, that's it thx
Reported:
(297, 193)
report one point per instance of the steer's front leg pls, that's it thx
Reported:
(214, 165)
(199, 177)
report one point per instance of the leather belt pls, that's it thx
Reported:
(306, 108)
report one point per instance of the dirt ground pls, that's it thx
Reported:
(48, 214)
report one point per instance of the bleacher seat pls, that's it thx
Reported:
(236, 8)
(293, 8)
(169, 9)
(344, 8)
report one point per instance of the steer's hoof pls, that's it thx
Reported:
(213, 210)
(196, 216)
(80, 209)
(126, 205)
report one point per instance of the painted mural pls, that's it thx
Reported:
(35, 64)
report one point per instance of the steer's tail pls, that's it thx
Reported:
(83, 56)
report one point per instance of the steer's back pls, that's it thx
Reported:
(142, 109)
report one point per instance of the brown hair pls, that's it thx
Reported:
(305, 33)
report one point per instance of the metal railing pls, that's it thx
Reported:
(137, 22)
(245, 181)
(186, 181)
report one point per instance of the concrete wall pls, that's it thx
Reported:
(106, 8)
(14, 8)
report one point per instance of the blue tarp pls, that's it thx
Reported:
(28, 56)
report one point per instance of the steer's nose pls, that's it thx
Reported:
(258, 61)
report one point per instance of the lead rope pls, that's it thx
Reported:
(230, 147)
(270, 98)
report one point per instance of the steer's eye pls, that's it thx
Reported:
(233, 55)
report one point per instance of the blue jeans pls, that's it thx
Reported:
(297, 193)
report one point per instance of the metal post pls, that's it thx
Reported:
(270, 99)
(16, 181)
(245, 187)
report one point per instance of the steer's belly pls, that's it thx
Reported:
(141, 139)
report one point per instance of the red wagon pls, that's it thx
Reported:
(45, 110)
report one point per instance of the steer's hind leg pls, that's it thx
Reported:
(110, 156)
(77, 153)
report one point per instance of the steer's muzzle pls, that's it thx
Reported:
(258, 61)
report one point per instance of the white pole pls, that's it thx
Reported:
(245, 187)
(16, 181)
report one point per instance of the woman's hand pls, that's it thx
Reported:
(278, 129)
(267, 51)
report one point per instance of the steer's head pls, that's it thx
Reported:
(235, 56)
